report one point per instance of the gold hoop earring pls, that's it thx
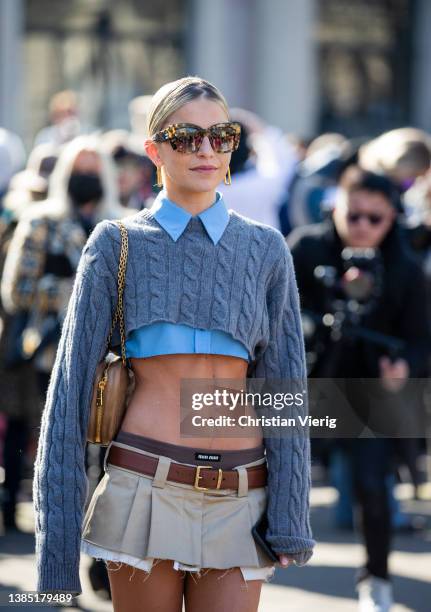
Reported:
(227, 178)
(159, 179)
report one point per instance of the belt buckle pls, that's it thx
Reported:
(198, 476)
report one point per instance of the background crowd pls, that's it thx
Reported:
(325, 195)
(353, 200)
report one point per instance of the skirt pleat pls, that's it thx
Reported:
(175, 525)
(135, 539)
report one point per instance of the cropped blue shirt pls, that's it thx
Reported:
(164, 338)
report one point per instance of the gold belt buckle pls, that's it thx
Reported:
(198, 476)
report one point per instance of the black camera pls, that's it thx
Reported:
(351, 294)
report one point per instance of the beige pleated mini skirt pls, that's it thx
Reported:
(137, 519)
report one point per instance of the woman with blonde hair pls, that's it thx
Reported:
(46, 246)
(209, 295)
(42, 256)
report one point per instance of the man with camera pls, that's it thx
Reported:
(365, 317)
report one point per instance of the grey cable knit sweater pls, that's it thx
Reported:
(244, 285)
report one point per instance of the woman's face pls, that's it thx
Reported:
(192, 172)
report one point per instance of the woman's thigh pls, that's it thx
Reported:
(221, 590)
(135, 590)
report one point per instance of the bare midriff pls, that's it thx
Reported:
(154, 409)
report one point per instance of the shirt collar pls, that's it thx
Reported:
(174, 219)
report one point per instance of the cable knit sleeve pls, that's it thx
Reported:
(60, 484)
(288, 455)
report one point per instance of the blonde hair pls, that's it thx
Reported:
(409, 146)
(172, 96)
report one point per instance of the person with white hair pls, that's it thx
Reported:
(28, 185)
(46, 246)
(38, 275)
(65, 122)
(138, 113)
(403, 155)
(262, 169)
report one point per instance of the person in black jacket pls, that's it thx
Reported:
(385, 295)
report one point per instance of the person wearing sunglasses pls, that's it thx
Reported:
(362, 217)
(209, 295)
(365, 217)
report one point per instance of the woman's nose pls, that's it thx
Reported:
(206, 148)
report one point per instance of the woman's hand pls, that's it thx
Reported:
(285, 560)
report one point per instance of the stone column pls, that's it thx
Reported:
(11, 28)
(220, 49)
(286, 90)
(421, 83)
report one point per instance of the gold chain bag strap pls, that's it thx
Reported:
(113, 379)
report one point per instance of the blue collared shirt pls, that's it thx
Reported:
(174, 218)
(163, 337)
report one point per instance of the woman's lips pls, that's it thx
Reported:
(204, 169)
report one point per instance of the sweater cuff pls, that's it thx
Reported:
(55, 577)
(299, 549)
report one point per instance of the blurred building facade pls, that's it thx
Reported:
(356, 66)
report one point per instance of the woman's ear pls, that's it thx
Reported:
(152, 151)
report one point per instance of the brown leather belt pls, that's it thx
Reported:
(202, 477)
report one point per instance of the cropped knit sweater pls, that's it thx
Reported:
(243, 284)
(163, 337)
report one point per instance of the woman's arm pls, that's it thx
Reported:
(288, 452)
(60, 485)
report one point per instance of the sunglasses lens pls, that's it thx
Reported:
(373, 219)
(353, 217)
(186, 140)
(225, 139)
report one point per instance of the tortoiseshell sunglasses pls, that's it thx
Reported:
(187, 137)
